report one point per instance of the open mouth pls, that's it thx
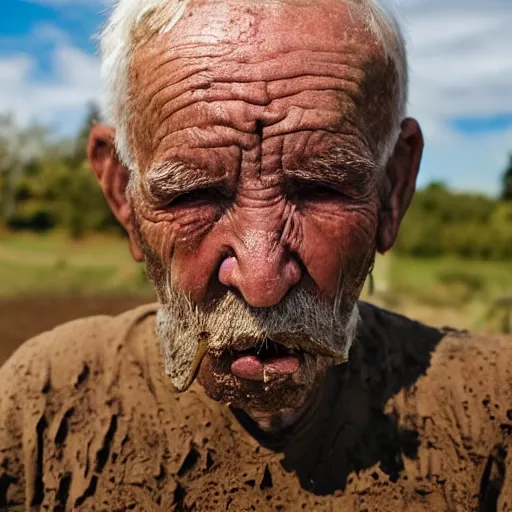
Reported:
(265, 362)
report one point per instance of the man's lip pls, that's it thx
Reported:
(263, 361)
(251, 367)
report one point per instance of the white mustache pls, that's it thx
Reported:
(302, 320)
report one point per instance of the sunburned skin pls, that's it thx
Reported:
(246, 136)
(256, 130)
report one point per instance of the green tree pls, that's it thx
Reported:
(53, 194)
(46, 183)
(19, 149)
(443, 222)
(79, 152)
(506, 193)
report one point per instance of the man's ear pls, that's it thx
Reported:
(400, 183)
(113, 179)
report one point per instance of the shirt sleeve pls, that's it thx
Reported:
(58, 405)
(505, 480)
(25, 388)
(13, 376)
(463, 409)
(503, 464)
(483, 413)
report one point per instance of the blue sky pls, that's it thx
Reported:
(460, 60)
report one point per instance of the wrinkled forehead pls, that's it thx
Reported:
(234, 63)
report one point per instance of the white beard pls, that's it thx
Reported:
(302, 321)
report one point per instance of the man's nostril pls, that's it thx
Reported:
(293, 272)
(228, 264)
(226, 271)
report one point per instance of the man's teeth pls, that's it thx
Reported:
(265, 350)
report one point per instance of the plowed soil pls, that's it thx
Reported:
(24, 318)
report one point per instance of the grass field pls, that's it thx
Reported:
(54, 265)
(448, 292)
(438, 291)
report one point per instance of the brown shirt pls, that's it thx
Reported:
(418, 420)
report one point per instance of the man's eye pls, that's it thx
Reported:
(307, 192)
(323, 192)
(197, 197)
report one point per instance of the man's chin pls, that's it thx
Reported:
(272, 393)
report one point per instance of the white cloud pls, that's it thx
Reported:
(461, 63)
(61, 3)
(48, 32)
(14, 70)
(58, 101)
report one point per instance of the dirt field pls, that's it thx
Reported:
(22, 318)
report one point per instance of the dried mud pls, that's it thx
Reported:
(420, 420)
(24, 318)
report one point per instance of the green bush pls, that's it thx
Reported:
(55, 195)
(442, 222)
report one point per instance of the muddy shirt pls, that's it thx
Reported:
(418, 420)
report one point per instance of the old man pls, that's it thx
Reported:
(260, 158)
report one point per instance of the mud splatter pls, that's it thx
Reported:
(418, 419)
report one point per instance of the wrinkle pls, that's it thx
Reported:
(103, 454)
(6, 481)
(221, 106)
(189, 79)
(208, 138)
(61, 498)
(307, 120)
(272, 70)
(289, 232)
(36, 489)
(60, 427)
(179, 223)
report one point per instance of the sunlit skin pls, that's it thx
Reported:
(256, 131)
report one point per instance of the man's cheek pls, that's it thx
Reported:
(339, 252)
(189, 266)
(160, 237)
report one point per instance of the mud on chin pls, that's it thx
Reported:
(286, 392)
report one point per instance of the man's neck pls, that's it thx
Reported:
(275, 422)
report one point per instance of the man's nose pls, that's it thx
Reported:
(261, 269)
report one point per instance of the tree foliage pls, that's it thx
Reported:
(19, 149)
(54, 188)
(442, 222)
(506, 193)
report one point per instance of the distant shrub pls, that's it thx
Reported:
(441, 222)
(473, 282)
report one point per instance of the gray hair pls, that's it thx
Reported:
(160, 16)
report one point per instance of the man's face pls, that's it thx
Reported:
(255, 129)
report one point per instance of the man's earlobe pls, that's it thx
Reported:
(113, 178)
(400, 182)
